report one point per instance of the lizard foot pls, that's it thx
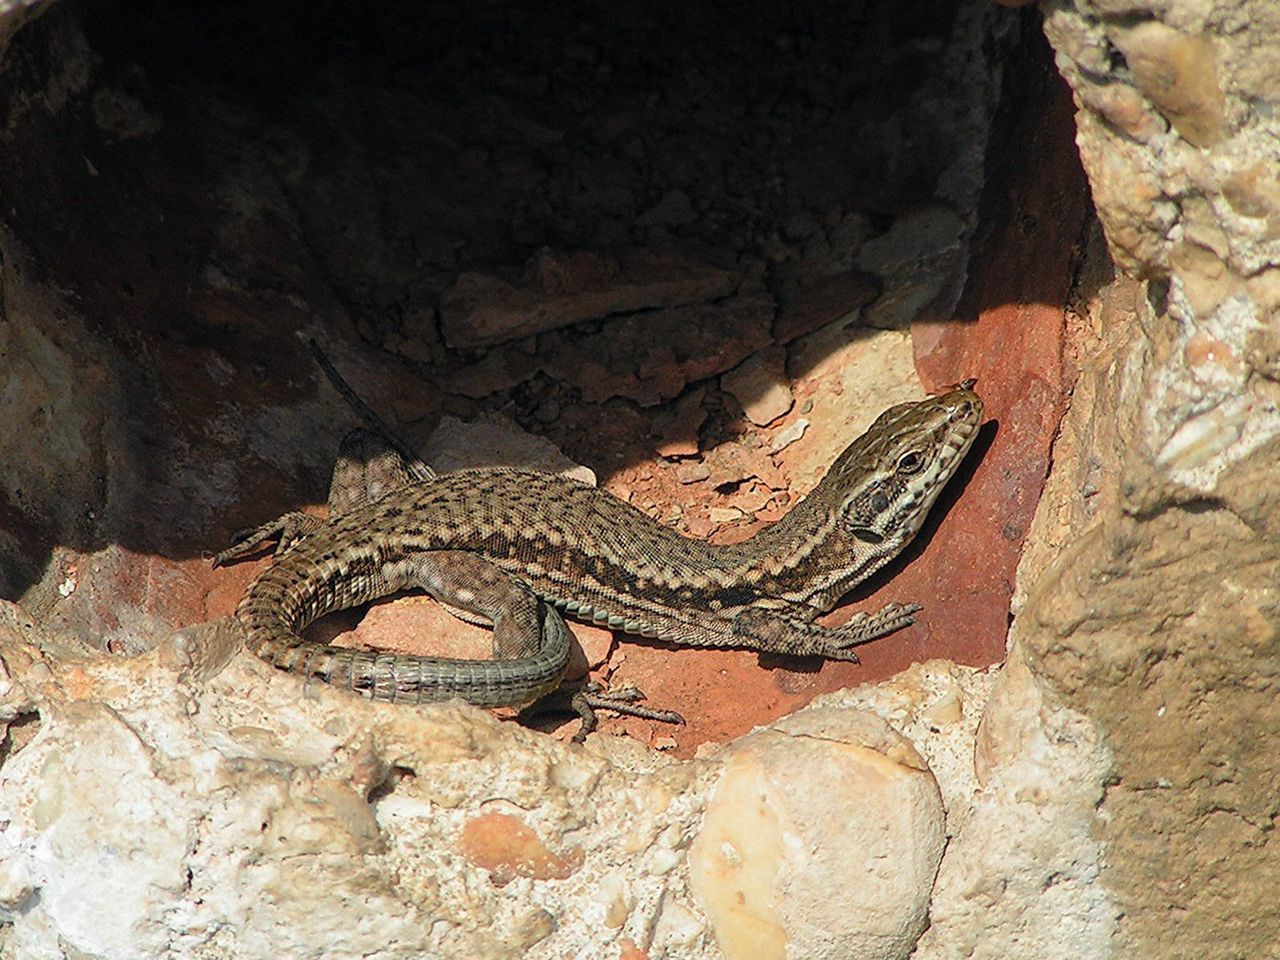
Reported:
(866, 626)
(623, 700)
(286, 530)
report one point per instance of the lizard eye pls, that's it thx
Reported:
(910, 462)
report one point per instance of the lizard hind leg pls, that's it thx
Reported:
(585, 702)
(367, 468)
(622, 700)
(476, 590)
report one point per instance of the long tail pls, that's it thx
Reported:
(272, 619)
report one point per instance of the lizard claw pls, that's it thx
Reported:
(286, 530)
(623, 700)
(868, 626)
(243, 542)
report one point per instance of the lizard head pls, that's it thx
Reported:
(884, 484)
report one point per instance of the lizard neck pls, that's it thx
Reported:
(807, 556)
(868, 506)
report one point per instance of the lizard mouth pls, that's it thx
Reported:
(963, 433)
(960, 429)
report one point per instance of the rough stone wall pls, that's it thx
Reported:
(150, 810)
(1149, 602)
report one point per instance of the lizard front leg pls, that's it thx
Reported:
(777, 631)
(286, 530)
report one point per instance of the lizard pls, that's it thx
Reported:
(514, 546)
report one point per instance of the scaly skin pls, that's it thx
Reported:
(497, 541)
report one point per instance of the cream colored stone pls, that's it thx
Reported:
(495, 440)
(854, 376)
(1180, 75)
(1205, 279)
(1126, 186)
(734, 865)
(1254, 50)
(1199, 220)
(1252, 191)
(827, 799)
(945, 711)
(145, 814)
(1264, 287)
(1019, 877)
(611, 894)
(1210, 360)
(680, 930)
(1130, 8)
(128, 828)
(916, 260)
(725, 514)
(1124, 107)
(203, 649)
(936, 706)
(1079, 47)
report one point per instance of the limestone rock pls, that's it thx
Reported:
(852, 378)
(937, 706)
(650, 357)
(1180, 75)
(825, 300)
(677, 428)
(919, 260)
(825, 800)
(494, 440)
(147, 813)
(1141, 69)
(1027, 832)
